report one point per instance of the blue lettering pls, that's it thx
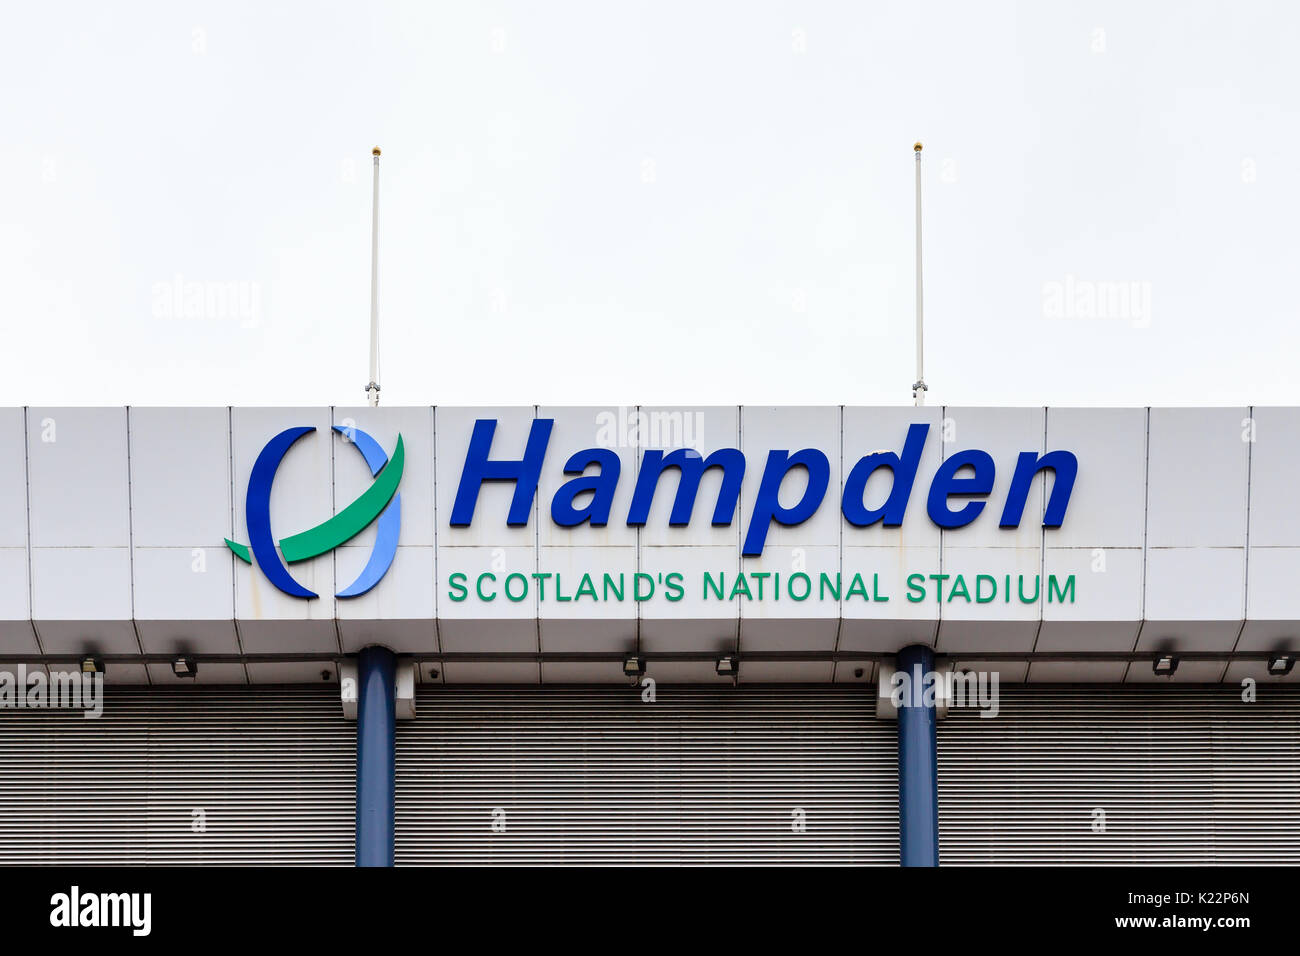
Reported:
(768, 505)
(903, 470)
(601, 486)
(948, 485)
(965, 474)
(479, 468)
(1064, 467)
(691, 466)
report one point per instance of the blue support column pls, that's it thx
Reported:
(918, 765)
(376, 728)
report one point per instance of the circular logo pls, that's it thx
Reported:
(379, 503)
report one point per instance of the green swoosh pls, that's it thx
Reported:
(349, 522)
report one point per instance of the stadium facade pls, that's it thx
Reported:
(649, 635)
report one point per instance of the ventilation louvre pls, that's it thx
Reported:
(701, 776)
(269, 773)
(1184, 775)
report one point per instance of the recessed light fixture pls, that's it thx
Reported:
(1279, 665)
(1165, 665)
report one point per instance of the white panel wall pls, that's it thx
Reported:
(583, 625)
(489, 546)
(80, 530)
(1196, 528)
(400, 611)
(889, 555)
(982, 547)
(1101, 541)
(128, 510)
(812, 548)
(181, 512)
(693, 624)
(301, 498)
(16, 634)
(1273, 569)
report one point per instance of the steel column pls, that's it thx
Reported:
(376, 729)
(918, 777)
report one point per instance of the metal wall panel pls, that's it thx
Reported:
(596, 775)
(1184, 775)
(268, 772)
(105, 514)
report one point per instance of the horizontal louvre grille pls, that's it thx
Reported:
(598, 776)
(272, 769)
(703, 775)
(1184, 776)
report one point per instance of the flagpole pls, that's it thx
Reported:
(372, 390)
(918, 388)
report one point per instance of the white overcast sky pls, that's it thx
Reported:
(661, 202)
